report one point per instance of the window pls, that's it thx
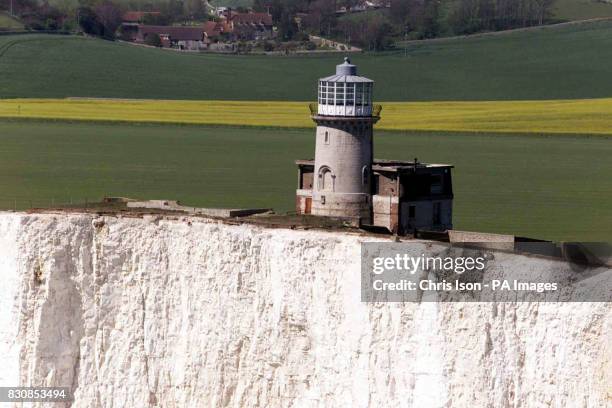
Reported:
(365, 175)
(325, 93)
(436, 184)
(340, 93)
(367, 94)
(350, 94)
(326, 137)
(437, 214)
(358, 94)
(326, 179)
(320, 92)
(411, 212)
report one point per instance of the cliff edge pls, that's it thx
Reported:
(174, 312)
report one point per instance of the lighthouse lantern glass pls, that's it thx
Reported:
(346, 93)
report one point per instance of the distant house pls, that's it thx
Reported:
(215, 29)
(184, 38)
(240, 26)
(130, 22)
(220, 11)
(251, 26)
(364, 5)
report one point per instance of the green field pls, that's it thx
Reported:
(546, 187)
(549, 63)
(572, 116)
(581, 9)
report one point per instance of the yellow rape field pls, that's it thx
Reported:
(580, 116)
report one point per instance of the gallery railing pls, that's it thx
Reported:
(314, 109)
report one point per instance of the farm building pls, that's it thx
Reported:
(184, 38)
(249, 26)
(252, 26)
(131, 20)
(215, 29)
(344, 180)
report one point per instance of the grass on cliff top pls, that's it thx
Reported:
(569, 62)
(9, 23)
(589, 116)
(543, 187)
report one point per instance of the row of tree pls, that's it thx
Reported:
(472, 16)
(414, 19)
(37, 15)
(100, 17)
(293, 19)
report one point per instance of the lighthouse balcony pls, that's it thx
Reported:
(345, 110)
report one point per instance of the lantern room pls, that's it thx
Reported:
(346, 93)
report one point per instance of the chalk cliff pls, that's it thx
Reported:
(152, 311)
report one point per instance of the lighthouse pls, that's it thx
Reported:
(343, 154)
(345, 181)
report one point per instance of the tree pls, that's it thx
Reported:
(172, 10)
(543, 10)
(156, 19)
(109, 16)
(195, 9)
(88, 20)
(283, 16)
(400, 10)
(322, 17)
(369, 32)
(153, 40)
(431, 15)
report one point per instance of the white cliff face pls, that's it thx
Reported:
(136, 312)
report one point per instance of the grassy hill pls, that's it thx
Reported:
(568, 10)
(550, 63)
(9, 23)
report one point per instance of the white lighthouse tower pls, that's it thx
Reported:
(341, 185)
(345, 181)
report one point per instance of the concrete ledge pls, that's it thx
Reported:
(171, 205)
(485, 240)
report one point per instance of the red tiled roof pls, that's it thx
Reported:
(175, 33)
(213, 28)
(137, 16)
(252, 18)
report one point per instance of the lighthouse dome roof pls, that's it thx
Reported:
(346, 72)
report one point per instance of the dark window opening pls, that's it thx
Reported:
(417, 186)
(436, 184)
(437, 214)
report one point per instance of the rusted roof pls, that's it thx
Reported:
(213, 28)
